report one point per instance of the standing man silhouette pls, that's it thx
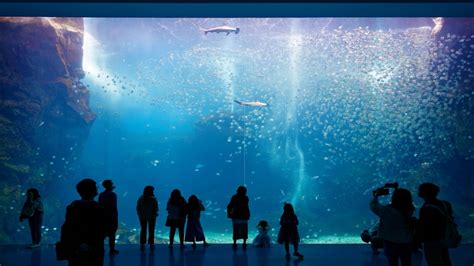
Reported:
(108, 200)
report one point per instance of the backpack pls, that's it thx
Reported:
(452, 238)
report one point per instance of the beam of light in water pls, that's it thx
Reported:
(229, 71)
(294, 45)
(94, 63)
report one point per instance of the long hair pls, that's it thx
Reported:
(288, 211)
(34, 192)
(402, 201)
(193, 202)
(175, 196)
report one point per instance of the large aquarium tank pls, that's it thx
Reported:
(317, 112)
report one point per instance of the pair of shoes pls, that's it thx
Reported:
(170, 246)
(244, 245)
(113, 252)
(287, 256)
(297, 254)
(205, 244)
(152, 246)
(142, 247)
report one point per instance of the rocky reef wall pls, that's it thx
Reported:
(44, 107)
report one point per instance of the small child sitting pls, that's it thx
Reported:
(262, 240)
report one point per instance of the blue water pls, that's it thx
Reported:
(350, 108)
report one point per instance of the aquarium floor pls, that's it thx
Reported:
(221, 254)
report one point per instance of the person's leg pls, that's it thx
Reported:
(234, 235)
(151, 231)
(245, 228)
(172, 232)
(405, 254)
(31, 224)
(296, 253)
(111, 236)
(143, 227)
(433, 255)
(39, 223)
(181, 234)
(391, 253)
(287, 247)
(445, 257)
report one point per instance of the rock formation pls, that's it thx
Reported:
(44, 107)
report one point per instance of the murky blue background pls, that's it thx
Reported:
(353, 103)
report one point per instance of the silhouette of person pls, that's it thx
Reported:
(432, 225)
(177, 209)
(289, 230)
(262, 240)
(194, 231)
(83, 231)
(108, 201)
(238, 210)
(395, 226)
(33, 211)
(147, 210)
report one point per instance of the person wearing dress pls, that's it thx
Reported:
(238, 210)
(194, 231)
(289, 230)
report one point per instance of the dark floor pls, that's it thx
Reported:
(224, 255)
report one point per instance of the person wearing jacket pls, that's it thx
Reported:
(147, 210)
(395, 226)
(238, 210)
(33, 211)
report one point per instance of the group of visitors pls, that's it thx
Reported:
(178, 209)
(89, 222)
(400, 233)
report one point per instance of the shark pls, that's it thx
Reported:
(252, 104)
(220, 29)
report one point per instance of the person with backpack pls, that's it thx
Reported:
(436, 229)
(83, 231)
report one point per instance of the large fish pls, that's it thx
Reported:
(220, 29)
(252, 104)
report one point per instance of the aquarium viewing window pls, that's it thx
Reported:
(311, 106)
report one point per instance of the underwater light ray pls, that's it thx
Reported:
(295, 44)
(94, 62)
